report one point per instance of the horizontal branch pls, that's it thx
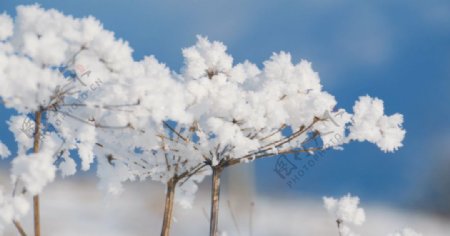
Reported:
(282, 141)
(235, 161)
(95, 124)
(188, 174)
(102, 106)
(272, 134)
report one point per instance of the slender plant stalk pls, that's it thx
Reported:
(37, 136)
(168, 209)
(19, 228)
(215, 194)
(339, 222)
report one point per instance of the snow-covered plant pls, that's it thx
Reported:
(347, 213)
(152, 148)
(89, 95)
(11, 207)
(47, 62)
(141, 120)
(242, 113)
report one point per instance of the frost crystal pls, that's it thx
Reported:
(6, 26)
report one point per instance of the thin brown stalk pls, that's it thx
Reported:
(179, 135)
(168, 209)
(95, 124)
(285, 140)
(188, 174)
(215, 194)
(231, 162)
(37, 135)
(273, 133)
(176, 132)
(19, 228)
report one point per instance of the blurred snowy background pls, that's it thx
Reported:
(75, 207)
(396, 50)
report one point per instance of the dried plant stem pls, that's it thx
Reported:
(215, 194)
(168, 209)
(19, 228)
(37, 136)
(261, 153)
(339, 222)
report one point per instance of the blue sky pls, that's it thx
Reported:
(398, 51)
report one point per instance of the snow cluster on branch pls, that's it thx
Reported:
(11, 207)
(4, 151)
(140, 119)
(347, 213)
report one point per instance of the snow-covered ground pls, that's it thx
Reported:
(76, 207)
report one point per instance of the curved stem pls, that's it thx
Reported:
(168, 209)
(215, 194)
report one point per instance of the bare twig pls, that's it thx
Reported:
(188, 174)
(179, 135)
(101, 106)
(231, 162)
(272, 134)
(175, 132)
(97, 125)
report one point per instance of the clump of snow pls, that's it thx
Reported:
(4, 151)
(36, 170)
(11, 208)
(6, 26)
(346, 212)
(206, 57)
(371, 124)
(345, 209)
